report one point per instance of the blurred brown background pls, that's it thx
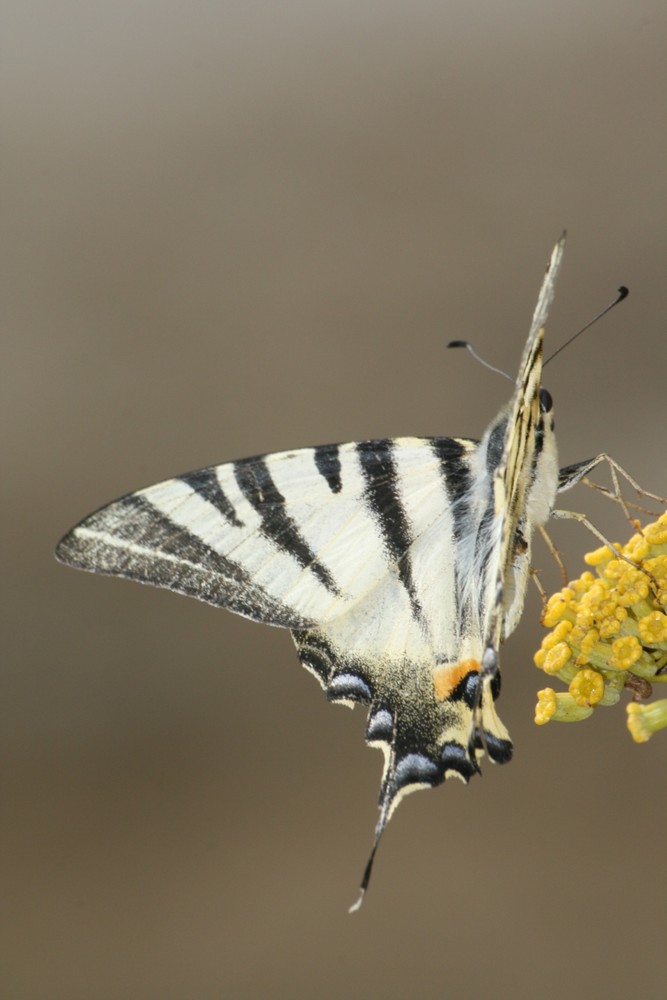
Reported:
(238, 227)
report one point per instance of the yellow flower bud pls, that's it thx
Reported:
(625, 651)
(653, 628)
(556, 658)
(587, 687)
(644, 720)
(546, 706)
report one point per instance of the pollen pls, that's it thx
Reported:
(608, 632)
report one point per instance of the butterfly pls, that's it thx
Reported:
(398, 565)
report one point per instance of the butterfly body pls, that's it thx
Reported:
(399, 566)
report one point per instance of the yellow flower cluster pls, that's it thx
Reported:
(609, 631)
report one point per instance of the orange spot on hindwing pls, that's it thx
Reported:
(448, 677)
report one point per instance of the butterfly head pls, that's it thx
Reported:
(546, 401)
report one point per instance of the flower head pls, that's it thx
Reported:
(608, 632)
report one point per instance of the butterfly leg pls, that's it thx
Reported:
(573, 515)
(557, 559)
(578, 473)
(573, 474)
(535, 577)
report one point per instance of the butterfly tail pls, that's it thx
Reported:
(397, 782)
(379, 830)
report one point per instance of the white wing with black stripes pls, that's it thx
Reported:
(295, 539)
(398, 565)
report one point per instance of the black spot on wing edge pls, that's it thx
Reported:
(454, 757)
(499, 750)
(380, 726)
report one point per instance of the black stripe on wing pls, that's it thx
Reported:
(131, 538)
(206, 483)
(454, 458)
(457, 476)
(383, 501)
(327, 463)
(257, 485)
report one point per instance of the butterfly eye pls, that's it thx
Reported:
(546, 402)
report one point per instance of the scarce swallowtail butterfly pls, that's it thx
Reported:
(399, 566)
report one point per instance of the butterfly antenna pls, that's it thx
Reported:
(379, 830)
(623, 293)
(468, 346)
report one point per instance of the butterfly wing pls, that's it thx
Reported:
(295, 539)
(524, 481)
